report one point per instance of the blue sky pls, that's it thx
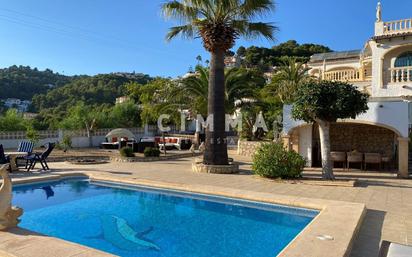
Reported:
(101, 36)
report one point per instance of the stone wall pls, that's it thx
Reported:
(363, 138)
(248, 148)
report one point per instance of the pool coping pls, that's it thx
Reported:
(338, 219)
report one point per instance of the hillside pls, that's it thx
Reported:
(24, 82)
(263, 58)
(97, 90)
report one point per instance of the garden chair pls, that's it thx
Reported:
(3, 158)
(373, 158)
(354, 157)
(24, 147)
(387, 162)
(32, 159)
(338, 157)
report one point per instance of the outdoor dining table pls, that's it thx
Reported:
(13, 156)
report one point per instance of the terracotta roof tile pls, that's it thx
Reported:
(400, 34)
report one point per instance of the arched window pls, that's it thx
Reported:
(404, 60)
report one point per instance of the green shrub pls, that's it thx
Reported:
(151, 152)
(273, 161)
(66, 142)
(32, 135)
(126, 152)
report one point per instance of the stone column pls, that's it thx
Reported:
(379, 28)
(403, 153)
(295, 142)
(324, 69)
(382, 73)
(286, 142)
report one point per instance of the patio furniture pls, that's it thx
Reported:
(33, 159)
(386, 162)
(122, 143)
(144, 143)
(132, 145)
(13, 159)
(373, 158)
(119, 134)
(26, 147)
(389, 249)
(173, 142)
(338, 157)
(354, 157)
(107, 145)
(185, 144)
(3, 158)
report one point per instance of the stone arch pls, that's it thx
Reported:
(342, 68)
(315, 72)
(404, 59)
(296, 128)
(397, 132)
(365, 122)
(391, 54)
(367, 50)
(292, 140)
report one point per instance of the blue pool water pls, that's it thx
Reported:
(130, 221)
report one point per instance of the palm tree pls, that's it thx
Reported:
(290, 75)
(219, 23)
(241, 85)
(199, 60)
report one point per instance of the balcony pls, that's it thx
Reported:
(401, 75)
(399, 26)
(349, 75)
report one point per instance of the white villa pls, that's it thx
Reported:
(20, 105)
(383, 68)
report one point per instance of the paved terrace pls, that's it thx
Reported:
(389, 200)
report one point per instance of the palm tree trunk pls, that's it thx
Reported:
(327, 169)
(89, 135)
(216, 144)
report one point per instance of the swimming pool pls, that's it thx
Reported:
(136, 221)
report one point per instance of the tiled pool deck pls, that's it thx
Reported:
(388, 200)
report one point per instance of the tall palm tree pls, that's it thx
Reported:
(240, 85)
(290, 75)
(219, 23)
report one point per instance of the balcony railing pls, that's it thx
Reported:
(349, 75)
(401, 75)
(393, 27)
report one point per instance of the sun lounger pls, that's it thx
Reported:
(26, 147)
(32, 159)
(3, 158)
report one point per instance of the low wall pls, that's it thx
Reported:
(248, 148)
(153, 159)
(11, 139)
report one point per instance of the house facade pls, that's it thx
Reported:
(18, 104)
(383, 69)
